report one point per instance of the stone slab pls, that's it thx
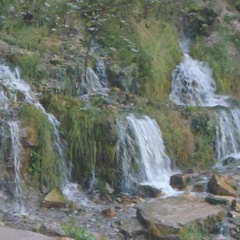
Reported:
(7, 233)
(169, 215)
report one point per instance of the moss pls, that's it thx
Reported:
(40, 130)
(190, 232)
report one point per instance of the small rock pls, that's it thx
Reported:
(236, 205)
(55, 199)
(108, 188)
(108, 213)
(233, 214)
(52, 229)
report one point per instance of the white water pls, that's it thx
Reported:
(11, 80)
(141, 154)
(16, 154)
(228, 134)
(193, 85)
(92, 84)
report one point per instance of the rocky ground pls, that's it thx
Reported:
(210, 200)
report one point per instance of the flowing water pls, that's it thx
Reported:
(94, 83)
(193, 85)
(18, 206)
(10, 80)
(141, 154)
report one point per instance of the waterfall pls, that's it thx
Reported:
(141, 154)
(228, 135)
(94, 83)
(16, 152)
(11, 80)
(193, 85)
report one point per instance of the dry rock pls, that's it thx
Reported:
(169, 215)
(220, 185)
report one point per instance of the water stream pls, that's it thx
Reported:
(193, 85)
(141, 154)
(11, 80)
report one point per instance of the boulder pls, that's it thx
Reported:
(222, 185)
(180, 180)
(132, 228)
(54, 199)
(170, 215)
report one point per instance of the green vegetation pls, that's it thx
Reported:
(91, 137)
(76, 232)
(43, 159)
(222, 56)
(190, 232)
(35, 165)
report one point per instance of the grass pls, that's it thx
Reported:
(222, 56)
(73, 231)
(39, 133)
(91, 137)
(160, 50)
(190, 232)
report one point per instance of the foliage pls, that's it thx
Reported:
(39, 131)
(76, 232)
(16, 14)
(28, 64)
(190, 232)
(91, 138)
(35, 165)
(222, 57)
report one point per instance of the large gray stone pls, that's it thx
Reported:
(16, 234)
(170, 215)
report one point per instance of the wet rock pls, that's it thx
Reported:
(54, 199)
(170, 215)
(219, 200)
(108, 213)
(220, 185)
(236, 205)
(180, 180)
(147, 191)
(199, 186)
(132, 228)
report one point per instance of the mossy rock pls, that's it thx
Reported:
(55, 199)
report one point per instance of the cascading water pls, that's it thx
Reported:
(228, 135)
(16, 152)
(141, 154)
(11, 80)
(93, 83)
(193, 85)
